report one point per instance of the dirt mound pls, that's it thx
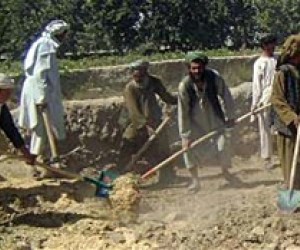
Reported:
(232, 211)
(125, 197)
(254, 228)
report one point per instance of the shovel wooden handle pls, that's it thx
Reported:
(49, 134)
(148, 142)
(60, 171)
(198, 141)
(295, 160)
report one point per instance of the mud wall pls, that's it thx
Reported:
(109, 81)
(93, 120)
(95, 126)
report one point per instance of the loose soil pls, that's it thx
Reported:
(235, 210)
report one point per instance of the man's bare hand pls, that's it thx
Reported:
(29, 158)
(297, 121)
(230, 123)
(41, 106)
(186, 143)
(150, 130)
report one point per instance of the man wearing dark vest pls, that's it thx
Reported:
(285, 101)
(200, 111)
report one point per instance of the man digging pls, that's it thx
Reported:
(6, 121)
(140, 96)
(285, 100)
(200, 111)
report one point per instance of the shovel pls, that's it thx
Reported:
(102, 188)
(148, 143)
(289, 200)
(198, 141)
(50, 136)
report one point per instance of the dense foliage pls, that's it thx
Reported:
(146, 26)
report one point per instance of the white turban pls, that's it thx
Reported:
(56, 27)
(53, 28)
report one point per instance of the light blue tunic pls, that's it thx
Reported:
(42, 85)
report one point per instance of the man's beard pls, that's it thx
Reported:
(196, 77)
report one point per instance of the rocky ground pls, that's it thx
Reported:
(230, 211)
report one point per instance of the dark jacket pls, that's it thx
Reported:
(285, 99)
(8, 127)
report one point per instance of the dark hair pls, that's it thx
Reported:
(267, 39)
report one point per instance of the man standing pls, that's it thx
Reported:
(263, 74)
(6, 121)
(285, 99)
(41, 90)
(145, 114)
(199, 111)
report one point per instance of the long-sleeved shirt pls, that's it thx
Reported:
(202, 118)
(42, 85)
(142, 104)
(263, 75)
(8, 127)
(278, 98)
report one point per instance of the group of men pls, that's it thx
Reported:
(276, 81)
(204, 103)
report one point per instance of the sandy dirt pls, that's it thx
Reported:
(236, 210)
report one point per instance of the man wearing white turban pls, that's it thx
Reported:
(41, 89)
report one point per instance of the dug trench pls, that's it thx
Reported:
(234, 210)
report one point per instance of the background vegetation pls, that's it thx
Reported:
(115, 29)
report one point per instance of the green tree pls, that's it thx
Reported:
(281, 17)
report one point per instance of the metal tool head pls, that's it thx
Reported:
(288, 201)
(104, 182)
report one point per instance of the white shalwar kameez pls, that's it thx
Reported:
(202, 120)
(263, 74)
(42, 85)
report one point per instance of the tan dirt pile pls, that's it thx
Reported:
(125, 196)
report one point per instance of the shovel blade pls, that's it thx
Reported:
(288, 201)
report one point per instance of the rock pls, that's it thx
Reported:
(290, 233)
(293, 247)
(259, 231)
(117, 237)
(104, 132)
(268, 222)
(274, 238)
(287, 244)
(150, 226)
(278, 224)
(272, 246)
(175, 216)
(23, 245)
(256, 235)
(131, 237)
